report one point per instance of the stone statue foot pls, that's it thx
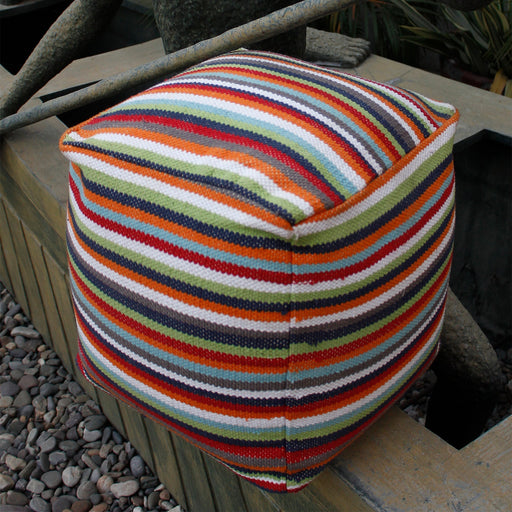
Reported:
(335, 49)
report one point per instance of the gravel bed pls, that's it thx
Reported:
(58, 452)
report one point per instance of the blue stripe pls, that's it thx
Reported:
(345, 187)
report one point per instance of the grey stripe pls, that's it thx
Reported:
(229, 146)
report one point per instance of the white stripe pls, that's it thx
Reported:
(197, 200)
(134, 289)
(339, 383)
(336, 82)
(166, 402)
(310, 421)
(366, 272)
(254, 423)
(311, 227)
(178, 264)
(295, 393)
(257, 285)
(175, 153)
(301, 107)
(200, 384)
(281, 126)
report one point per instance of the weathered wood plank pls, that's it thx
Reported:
(110, 407)
(63, 302)
(257, 499)
(491, 453)
(92, 69)
(474, 104)
(56, 331)
(59, 284)
(53, 241)
(4, 272)
(136, 432)
(299, 502)
(17, 288)
(164, 458)
(225, 486)
(399, 465)
(345, 499)
(35, 309)
(195, 479)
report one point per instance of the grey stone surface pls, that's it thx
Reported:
(217, 18)
(6, 483)
(71, 476)
(52, 479)
(86, 490)
(137, 466)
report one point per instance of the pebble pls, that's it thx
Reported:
(52, 479)
(63, 503)
(58, 452)
(104, 484)
(6, 483)
(27, 382)
(86, 490)
(126, 488)
(38, 504)
(81, 506)
(71, 476)
(26, 332)
(16, 498)
(35, 486)
(137, 466)
(9, 388)
(14, 463)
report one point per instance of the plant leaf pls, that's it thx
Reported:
(499, 82)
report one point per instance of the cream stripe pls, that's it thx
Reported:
(178, 264)
(258, 423)
(231, 166)
(335, 80)
(311, 226)
(167, 402)
(136, 289)
(309, 421)
(299, 288)
(197, 200)
(300, 107)
(281, 125)
(248, 394)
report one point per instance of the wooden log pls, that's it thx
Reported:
(252, 32)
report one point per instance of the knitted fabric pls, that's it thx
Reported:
(259, 252)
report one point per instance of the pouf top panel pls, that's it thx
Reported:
(277, 139)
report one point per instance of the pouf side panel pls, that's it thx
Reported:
(366, 321)
(220, 385)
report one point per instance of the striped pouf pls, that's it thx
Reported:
(259, 252)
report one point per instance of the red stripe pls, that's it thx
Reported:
(184, 254)
(173, 345)
(343, 273)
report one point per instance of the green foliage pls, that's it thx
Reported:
(480, 40)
